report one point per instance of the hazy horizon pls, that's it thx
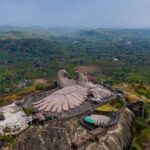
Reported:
(75, 14)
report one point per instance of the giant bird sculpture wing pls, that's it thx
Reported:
(70, 96)
(98, 91)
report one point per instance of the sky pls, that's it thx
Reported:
(76, 13)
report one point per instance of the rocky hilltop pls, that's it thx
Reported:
(59, 135)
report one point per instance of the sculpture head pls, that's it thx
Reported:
(62, 73)
(80, 77)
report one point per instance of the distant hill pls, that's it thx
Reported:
(101, 33)
(39, 30)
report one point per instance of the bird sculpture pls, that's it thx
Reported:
(98, 91)
(72, 93)
(69, 96)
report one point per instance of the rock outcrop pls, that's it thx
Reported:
(117, 137)
(58, 135)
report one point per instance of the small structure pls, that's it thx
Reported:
(2, 117)
(23, 83)
(141, 108)
(19, 102)
(137, 108)
(95, 120)
(128, 42)
(95, 100)
(115, 59)
(80, 141)
(41, 118)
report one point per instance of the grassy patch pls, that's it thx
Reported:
(9, 98)
(17, 95)
(106, 107)
(7, 130)
(41, 86)
(111, 106)
(7, 138)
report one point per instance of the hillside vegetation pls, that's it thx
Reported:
(26, 56)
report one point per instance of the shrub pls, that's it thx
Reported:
(7, 130)
(41, 86)
(28, 111)
(6, 138)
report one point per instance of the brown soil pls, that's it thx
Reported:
(86, 69)
(40, 81)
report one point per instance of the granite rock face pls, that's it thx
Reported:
(58, 136)
(13, 120)
(117, 137)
